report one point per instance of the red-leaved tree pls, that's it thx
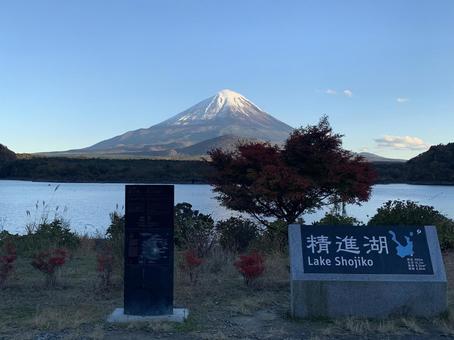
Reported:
(190, 264)
(250, 266)
(48, 262)
(310, 171)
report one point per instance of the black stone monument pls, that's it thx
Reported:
(148, 280)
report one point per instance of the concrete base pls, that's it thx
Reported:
(373, 299)
(179, 315)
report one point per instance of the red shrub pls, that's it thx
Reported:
(7, 262)
(48, 262)
(190, 264)
(250, 266)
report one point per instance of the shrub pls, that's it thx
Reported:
(115, 236)
(49, 262)
(190, 264)
(46, 235)
(58, 233)
(250, 266)
(7, 260)
(193, 230)
(105, 261)
(274, 238)
(337, 219)
(236, 233)
(410, 213)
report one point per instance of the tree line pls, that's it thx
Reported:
(435, 166)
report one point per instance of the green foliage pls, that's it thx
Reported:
(193, 230)
(273, 238)
(390, 172)
(337, 219)
(115, 235)
(404, 213)
(411, 213)
(236, 233)
(436, 165)
(56, 233)
(44, 235)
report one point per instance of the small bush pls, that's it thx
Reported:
(57, 233)
(236, 234)
(337, 219)
(44, 235)
(115, 235)
(411, 213)
(49, 262)
(7, 260)
(190, 264)
(251, 267)
(193, 230)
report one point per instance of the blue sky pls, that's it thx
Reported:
(73, 73)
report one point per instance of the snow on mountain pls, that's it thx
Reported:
(226, 113)
(223, 104)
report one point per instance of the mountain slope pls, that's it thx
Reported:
(225, 142)
(435, 165)
(226, 113)
(371, 157)
(6, 154)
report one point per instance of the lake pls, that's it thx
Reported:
(87, 205)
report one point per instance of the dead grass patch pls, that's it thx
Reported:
(412, 325)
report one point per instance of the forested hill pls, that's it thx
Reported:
(61, 169)
(6, 154)
(435, 166)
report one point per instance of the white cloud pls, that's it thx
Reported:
(401, 143)
(348, 93)
(402, 99)
(331, 92)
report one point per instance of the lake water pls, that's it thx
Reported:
(87, 205)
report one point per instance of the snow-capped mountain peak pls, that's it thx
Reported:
(231, 100)
(226, 103)
(225, 113)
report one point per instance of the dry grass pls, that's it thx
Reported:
(412, 325)
(221, 306)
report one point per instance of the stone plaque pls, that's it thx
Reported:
(374, 271)
(148, 282)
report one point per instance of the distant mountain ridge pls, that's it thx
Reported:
(371, 157)
(227, 113)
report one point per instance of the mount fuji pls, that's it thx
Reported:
(226, 116)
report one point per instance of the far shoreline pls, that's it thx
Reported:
(53, 181)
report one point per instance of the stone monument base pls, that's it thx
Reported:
(118, 315)
(368, 298)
